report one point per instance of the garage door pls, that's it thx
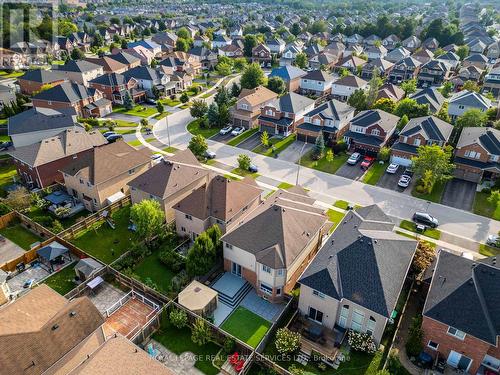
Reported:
(401, 161)
(467, 175)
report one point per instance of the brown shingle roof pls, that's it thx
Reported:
(108, 64)
(257, 95)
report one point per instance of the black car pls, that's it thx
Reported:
(5, 145)
(114, 137)
(423, 218)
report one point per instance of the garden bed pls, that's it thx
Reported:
(245, 173)
(246, 326)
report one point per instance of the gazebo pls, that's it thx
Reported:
(86, 267)
(198, 298)
(53, 254)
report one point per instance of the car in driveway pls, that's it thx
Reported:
(226, 130)
(354, 158)
(237, 131)
(107, 134)
(114, 137)
(392, 168)
(210, 154)
(425, 219)
(404, 181)
(156, 158)
(367, 162)
(253, 168)
(493, 240)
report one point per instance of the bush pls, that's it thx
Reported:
(414, 344)
(57, 226)
(362, 342)
(201, 332)
(228, 346)
(172, 259)
(178, 318)
(339, 147)
(179, 281)
(287, 341)
(244, 161)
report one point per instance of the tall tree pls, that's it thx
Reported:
(148, 218)
(198, 145)
(252, 77)
(249, 42)
(472, 118)
(373, 87)
(409, 86)
(277, 85)
(301, 60)
(358, 100)
(433, 162)
(199, 108)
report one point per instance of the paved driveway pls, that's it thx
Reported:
(459, 194)
(221, 138)
(123, 117)
(390, 181)
(292, 152)
(251, 142)
(352, 172)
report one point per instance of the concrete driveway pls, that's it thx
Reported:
(123, 117)
(221, 138)
(352, 172)
(292, 152)
(459, 194)
(251, 142)
(390, 181)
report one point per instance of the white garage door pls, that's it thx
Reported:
(401, 161)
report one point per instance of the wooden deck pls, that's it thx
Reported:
(128, 319)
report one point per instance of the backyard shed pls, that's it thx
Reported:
(198, 298)
(86, 267)
(53, 254)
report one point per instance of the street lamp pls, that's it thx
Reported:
(300, 160)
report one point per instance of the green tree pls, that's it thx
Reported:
(373, 86)
(318, 27)
(199, 108)
(472, 118)
(358, 100)
(240, 63)
(384, 154)
(329, 155)
(287, 341)
(433, 159)
(224, 69)
(148, 218)
(409, 86)
(215, 234)
(184, 98)
(235, 90)
(385, 104)
(181, 45)
(402, 122)
(159, 107)
(213, 114)
(447, 89)
(319, 146)
(57, 227)
(463, 51)
(66, 28)
(201, 332)
(443, 113)
(295, 29)
(183, 33)
(343, 72)
(301, 60)
(127, 101)
(277, 85)
(178, 318)
(201, 256)
(252, 77)
(244, 162)
(471, 86)
(198, 145)
(264, 138)
(222, 97)
(77, 54)
(249, 43)
(411, 108)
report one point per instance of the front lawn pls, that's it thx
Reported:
(279, 145)
(20, 235)
(484, 208)
(195, 129)
(7, 172)
(488, 251)
(429, 232)
(244, 173)
(323, 164)
(435, 195)
(179, 341)
(137, 142)
(341, 204)
(124, 124)
(285, 186)
(62, 281)
(171, 150)
(335, 217)
(246, 326)
(14, 74)
(138, 110)
(240, 138)
(159, 116)
(104, 242)
(152, 268)
(374, 173)
(169, 102)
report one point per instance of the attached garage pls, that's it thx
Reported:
(468, 175)
(405, 162)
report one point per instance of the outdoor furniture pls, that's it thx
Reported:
(314, 331)
(233, 359)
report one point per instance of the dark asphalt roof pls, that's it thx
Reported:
(124, 58)
(432, 128)
(80, 66)
(318, 75)
(66, 92)
(405, 147)
(370, 117)
(477, 163)
(42, 76)
(429, 96)
(281, 121)
(40, 119)
(112, 79)
(292, 103)
(333, 109)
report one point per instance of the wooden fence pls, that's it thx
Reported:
(6, 219)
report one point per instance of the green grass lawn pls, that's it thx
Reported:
(179, 341)
(15, 74)
(62, 281)
(323, 164)
(240, 138)
(3, 122)
(20, 235)
(7, 172)
(105, 243)
(429, 232)
(159, 116)
(171, 149)
(246, 326)
(435, 195)
(285, 186)
(44, 217)
(279, 144)
(169, 102)
(151, 267)
(488, 251)
(124, 124)
(195, 129)
(138, 110)
(244, 173)
(341, 204)
(335, 217)
(484, 208)
(137, 142)
(373, 174)
(4, 138)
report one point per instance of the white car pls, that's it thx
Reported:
(156, 158)
(493, 240)
(392, 168)
(226, 130)
(404, 181)
(354, 158)
(237, 131)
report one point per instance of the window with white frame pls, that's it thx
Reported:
(472, 154)
(280, 272)
(269, 112)
(455, 332)
(358, 317)
(416, 142)
(229, 246)
(375, 132)
(266, 269)
(266, 288)
(370, 325)
(189, 217)
(317, 293)
(494, 158)
(244, 106)
(315, 314)
(432, 345)
(357, 129)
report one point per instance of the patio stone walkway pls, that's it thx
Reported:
(267, 310)
(105, 296)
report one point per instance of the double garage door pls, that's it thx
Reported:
(400, 160)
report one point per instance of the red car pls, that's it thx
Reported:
(367, 161)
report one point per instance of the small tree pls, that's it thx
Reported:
(424, 255)
(127, 101)
(215, 234)
(385, 104)
(443, 113)
(178, 318)
(471, 86)
(201, 332)
(235, 90)
(224, 69)
(198, 145)
(276, 84)
(409, 86)
(384, 154)
(471, 118)
(361, 342)
(244, 162)
(287, 341)
(447, 88)
(144, 123)
(264, 139)
(18, 199)
(148, 218)
(301, 60)
(57, 227)
(199, 108)
(358, 100)
(184, 97)
(159, 107)
(319, 146)
(201, 256)
(77, 54)
(414, 343)
(329, 155)
(402, 122)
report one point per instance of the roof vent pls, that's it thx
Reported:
(55, 326)
(375, 241)
(72, 313)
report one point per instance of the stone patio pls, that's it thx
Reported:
(9, 251)
(105, 296)
(265, 309)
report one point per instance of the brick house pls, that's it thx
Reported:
(420, 131)
(291, 75)
(262, 55)
(370, 130)
(79, 71)
(114, 87)
(405, 69)
(247, 109)
(477, 154)
(433, 73)
(127, 59)
(39, 164)
(271, 247)
(32, 81)
(460, 317)
(282, 115)
(109, 65)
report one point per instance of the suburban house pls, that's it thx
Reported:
(247, 109)
(430, 96)
(35, 124)
(351, 63)
(291, 75)
(467, 338)
(220, 41)
(344, 87)
(79, 71)
(282, 115)
(170, 181)
(317, 83)
(478, 60)
(109, 65)
(127, 59)
(411, 43)
(39, 164)
(423, 55)
(370, 130)
(492, 82)
(383, 68)
(271, 247)
(376, 52)
(32, 81)
(261, 54)
(115, 86)
(477, 154)
(148, 44)
(390, 42)
(391, 91)
(330, 119)
(420, 131)
(85, 101)
(397, 55)
(167, 39)
(430, 44)
(100, 176)
(470, 73)
(182, 62)
(146, 78)
(276, 45)
(208, 58)
(323, 60)
(464, 100)
(355, 280)
(289, 55)
(433, 73)
(405, 69)
(221, 201)
(450, 58)
(230, 51)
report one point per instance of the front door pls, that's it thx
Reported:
(236, 269)
(459, 361)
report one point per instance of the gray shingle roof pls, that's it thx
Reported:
(80, 66)
(291, 103)
(429, 96)
(489, 138)
(386, 121)
(66, 92)
(42, 76)
(471, 99)
(333, 109)
(430, 127)
(40, 119)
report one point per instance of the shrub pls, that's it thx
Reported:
(287, 341)
(362, 342)
(228, 346)
(414, 344)
(171, 259)
(340, 146)
(244, 161)
(57, 227)
(178, 318)
(201, 332)
(179, 281)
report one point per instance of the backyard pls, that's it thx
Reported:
(20, 235)
(246, 326)
(323, 164)
(46, 218)
(62, 281)
(7, 174)
(153, 269)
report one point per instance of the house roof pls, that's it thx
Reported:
(488, 138)
(351, 81)
(390, 91)
(464, 294)
(40, 119)
(257, 95)
(318, 75)
(363, 261)
(430, 127)
(333, 109)
(470, 99)
(142, 72)
(386, 121)
(429, 96)
(125, 58)
(66, 92)
(287, 73)
(42, 76)
(355, 60)
(110, 79)
(108, 63)
(79, 66)
(291, 103)
(106, 162)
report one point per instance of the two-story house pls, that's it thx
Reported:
(464, 100)
(420, 131)
(282, 115)
(423, 55)
(323, 60)
(433, 73)
(460, 317)
(262, 54)
(351, 63)
(477, 154)
(330, 119)
(370, 130)
(397, 54)
(127, 59)
(376, 52)
(33, 81)
(383, 68)
(411, 43)
(247, 109)
(390, 42)
(478, 60)
(276, 45)
(115, 87)
(146, 78)
(290, 74)
(317, 83)
(356, 278)
(109, 65)
(405, 69)
(492, 82)
(289, 54)
(79, 71)
(344, 87)
(430, 96)
(271, 247)
(450, 58)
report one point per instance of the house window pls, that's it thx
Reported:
(344, 314)
(472, 154)
(375, 132)
(266, 288)
(494, 158)
(266, 269)
(370, 325)
(416, 142)
(315, 315)
(318, 294)
(229, 246)
(280, 272)
(189, 217)
(270, 112)
(432, 345)
(461, 107)
(131, 171)
(455, 332)
(358, 318)
(278, 291)
(244, 106)
(183, 229)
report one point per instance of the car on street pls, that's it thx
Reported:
(425, 219)
(404, 181)
(354, 158)
(226, 130)
(367, 161)
(493, 240)
(237, 131)
(253, 168)
(114, 137)
(392, 168)
(107, 134)
(210, 154)
(151, 101)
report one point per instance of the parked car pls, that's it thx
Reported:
(253, 168)
(210, 154)
(367, 161)
(404, 181)
(424, 218)
(354, 158)
(5, 145)
(107, 134)
(114, 137)
(408, 172)
(237, 131)
(151, 101)
(493, 240)
(156, 158)
(392, 168)
(225, 130)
